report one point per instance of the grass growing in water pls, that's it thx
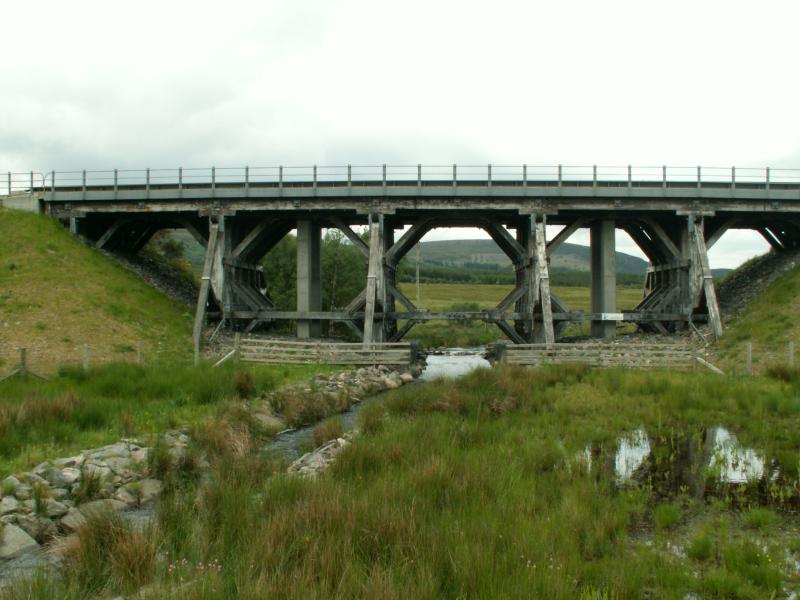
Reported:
(482, 488)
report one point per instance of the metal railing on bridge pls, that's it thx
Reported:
(633, 176)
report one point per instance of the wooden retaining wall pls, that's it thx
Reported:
(330, 353)
(633, 356)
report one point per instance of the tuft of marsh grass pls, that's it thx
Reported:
(666, 516)
(328, 430)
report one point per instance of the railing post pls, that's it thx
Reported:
(419, 175)
(52, 184)
(664, 176)
(699, 177)
(383, 173)
(314, 177)
(9, 183)
(147, 181)
(733, 178)
(349, 175)
(247, 180)
(489, 175)
(767, 178)
(280, 177)
(560, 181)
(116, 182)
(83, 183)
(213, 179)
(594, 176)
(630, 177)
(525, 176)
(180, 178)
(31, 175)
(455, 175)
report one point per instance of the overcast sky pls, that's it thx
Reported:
(97, 85)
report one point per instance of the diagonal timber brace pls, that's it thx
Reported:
(202, 298)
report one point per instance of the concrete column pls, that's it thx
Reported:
(309, 277)
(604, 276)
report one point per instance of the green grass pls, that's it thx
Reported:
(481, 488)
(77, 409)
(456, 296)
(56, 294)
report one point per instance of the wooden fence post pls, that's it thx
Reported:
(791, 355)
(86, 357)
(749, 359)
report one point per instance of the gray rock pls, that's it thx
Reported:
(390, 384)
(55, 478)
(118, 464)
(70, 462)
(59, 494)
(39, 528)
(97, 470)
(11, 483)
(9, 504)
(70, 475)
(56, 509)
(112, 451)
(15, 542)
(406, 377)
(22, 492)
(72, 520)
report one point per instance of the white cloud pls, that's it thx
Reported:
(94, 84)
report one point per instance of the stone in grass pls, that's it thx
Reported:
(406, 377)
(70, 475)
(73, 520)
(15, 542)
(9, 504)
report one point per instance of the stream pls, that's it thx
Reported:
(451, 362)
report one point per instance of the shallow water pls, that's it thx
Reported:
(699, 464)
(453, 362)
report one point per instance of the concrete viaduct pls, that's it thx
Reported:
(674, 215)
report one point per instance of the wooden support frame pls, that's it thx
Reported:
(205, 285)
(703, 271)
(374, 273)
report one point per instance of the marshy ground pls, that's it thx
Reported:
(505, 483)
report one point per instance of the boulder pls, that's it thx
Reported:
(113, 451)
(70, 462)
(55, 477)
(406, 377)
(15, 542)
(390, 383)
(9, 504)
(70, 475)
(39, 528)
(72, 520)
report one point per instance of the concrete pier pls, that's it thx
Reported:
(309, 278)
(604, 276)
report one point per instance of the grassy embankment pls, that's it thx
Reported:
(56, 295)
(770, 322)
(471, 297)
(500, 485)
(76, 409)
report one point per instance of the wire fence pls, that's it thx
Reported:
(19, 182)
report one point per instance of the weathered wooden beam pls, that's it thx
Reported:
(505, 240)
(205, 285)
(662, 237)
(410, 307)
(109, 233)
(374, 271)
(193, 231)
(408, 240)
(351, 235)
(563, 235)
(544, 282)
(714, 317)
(510, 332)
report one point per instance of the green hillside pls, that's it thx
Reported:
(57, 294)
(459, 253)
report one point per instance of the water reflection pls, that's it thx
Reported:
(679, 463)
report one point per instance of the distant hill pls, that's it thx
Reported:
(573, 257)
